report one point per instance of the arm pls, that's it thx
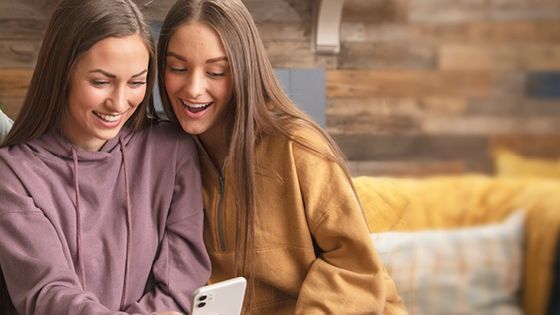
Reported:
(183, 263)
(347, 276)
(39, 276)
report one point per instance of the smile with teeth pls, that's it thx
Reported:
(108, 117)
(195, 108)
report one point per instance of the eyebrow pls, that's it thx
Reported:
(112, 76)
(211, 60)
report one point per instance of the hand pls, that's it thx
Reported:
(168, 313)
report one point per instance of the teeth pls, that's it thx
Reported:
(195, 105)
(108, 117)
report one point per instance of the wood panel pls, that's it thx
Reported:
(355, 83)
(475, 32)
(13, 10)
(375, 11)
(479, 57)
(300, 55)
(22, 29)
(489, 126)
(387, 56)
(541, 57)
(364, 147)
(387, 115)
(19, 53)
(407, 168)
(279, 10)
(468, 10)
(352, 122)
(500, 57)
(529, 145)
(419, 87)
(297, 31)
(13, 87)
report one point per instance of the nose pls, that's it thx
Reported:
(118, 102)
(196, 84)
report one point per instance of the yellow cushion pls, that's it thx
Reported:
(513, 165)
(403, 204)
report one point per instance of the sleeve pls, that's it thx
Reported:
(347, 275)
(38, 275)
(5, 125)
(183, 263)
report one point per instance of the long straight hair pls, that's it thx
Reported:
(260, 107)
(75, 26)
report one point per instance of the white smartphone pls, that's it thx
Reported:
(220, 298)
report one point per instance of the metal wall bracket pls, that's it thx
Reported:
(326, 26)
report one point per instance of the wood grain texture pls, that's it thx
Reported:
(410, 168)
(474, 10)
(420, 86)
(365, 56)
(376, 11)
(470, 32)
(18, 53)
(357, 83)
(546, 145)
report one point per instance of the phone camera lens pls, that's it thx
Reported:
(201, 304)
(202, 298)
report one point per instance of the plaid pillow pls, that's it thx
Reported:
(475, 270)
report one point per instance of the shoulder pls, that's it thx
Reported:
(306, 148)
(309, 146)
(16, 154)
(12, 190)
(301, 138)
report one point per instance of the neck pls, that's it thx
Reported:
(217, 147)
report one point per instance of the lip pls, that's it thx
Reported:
(187, 108)
(109, 124)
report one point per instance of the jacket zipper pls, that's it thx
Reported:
(221, 233)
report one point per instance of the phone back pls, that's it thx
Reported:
(220, 298)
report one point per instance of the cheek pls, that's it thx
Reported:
(137, 95)
(172, 83)
(86, 97)
(226, 91)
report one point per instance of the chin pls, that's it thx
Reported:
(190, 129)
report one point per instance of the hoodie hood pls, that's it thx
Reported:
(54, 145)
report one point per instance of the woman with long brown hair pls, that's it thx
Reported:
(101, 206)
(279, 203)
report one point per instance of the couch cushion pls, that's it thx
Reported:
(475, 270)
(509, 164)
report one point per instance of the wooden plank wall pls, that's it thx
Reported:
(433, 86)
(419, 87)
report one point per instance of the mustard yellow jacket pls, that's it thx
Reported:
(313, 254)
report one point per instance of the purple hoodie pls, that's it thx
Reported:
(102, 232)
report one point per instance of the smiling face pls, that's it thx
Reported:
(107, 84)
(198, 80)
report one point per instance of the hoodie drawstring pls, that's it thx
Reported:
(79, 225)
(78, 221)
(128, 227)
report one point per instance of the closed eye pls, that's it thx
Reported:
(99, 83)
(136, 84)
(217, 74)
(177, 69)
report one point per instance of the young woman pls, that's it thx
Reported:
(101, 210)
(280, 207)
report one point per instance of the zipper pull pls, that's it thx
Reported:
(221, 179)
